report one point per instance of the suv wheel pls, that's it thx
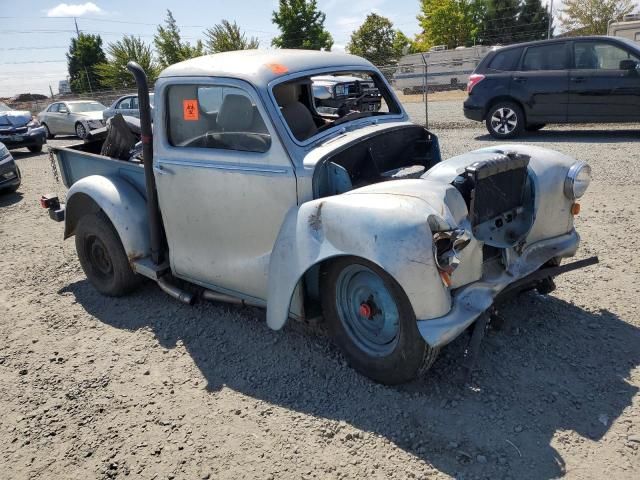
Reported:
(505, 120)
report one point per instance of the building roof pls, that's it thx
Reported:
(262, 66)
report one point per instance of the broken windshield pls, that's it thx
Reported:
(313, 104)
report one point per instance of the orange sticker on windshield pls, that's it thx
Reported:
(190, 110)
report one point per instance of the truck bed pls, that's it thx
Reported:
(83, 159)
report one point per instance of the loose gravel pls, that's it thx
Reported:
(145, 387)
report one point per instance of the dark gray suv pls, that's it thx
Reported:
(569, 80)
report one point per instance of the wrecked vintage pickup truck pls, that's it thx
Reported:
(247, 194)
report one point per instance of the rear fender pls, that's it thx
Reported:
(120, 201)
(391, 231)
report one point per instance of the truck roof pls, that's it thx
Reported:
(262, 66)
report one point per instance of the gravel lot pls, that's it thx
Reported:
(147, 388)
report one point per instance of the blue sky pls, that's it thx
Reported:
(36, 30)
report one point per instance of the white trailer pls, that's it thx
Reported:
(445, 69)
(628, 28)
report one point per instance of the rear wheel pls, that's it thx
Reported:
(81, 132)
(505, 120)
(102, 256)
(371, 320)
(48, 132)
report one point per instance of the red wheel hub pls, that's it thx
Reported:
(365, 310)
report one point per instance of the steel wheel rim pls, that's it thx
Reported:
(80, 130)
(367, 310)
(504, 120)
(99, 257)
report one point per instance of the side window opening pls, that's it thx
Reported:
(217, 117)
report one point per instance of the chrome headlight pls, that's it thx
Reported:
(577, 181)
(33, 123)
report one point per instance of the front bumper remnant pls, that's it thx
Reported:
(472, 300)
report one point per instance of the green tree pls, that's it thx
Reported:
(592, 17)
(533, 22)
(301, 25)
(377, 41)
(114, 73)
(85, 52)
(403, 45)
(500, 25)
(226, 37)
(453, 23)
(169, 45)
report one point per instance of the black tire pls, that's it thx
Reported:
(81, 131)
(102, 256)
(50, 135)
(35, 148)
(534, 127)
(411, 355)
(499, 118)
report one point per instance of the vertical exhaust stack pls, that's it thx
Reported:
(153, 211)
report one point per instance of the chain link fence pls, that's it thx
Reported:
(432, 90)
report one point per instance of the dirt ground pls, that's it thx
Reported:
(144, 387)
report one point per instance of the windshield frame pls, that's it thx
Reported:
(71, 104)
(363, 121)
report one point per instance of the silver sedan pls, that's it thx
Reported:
(127, 106)
(76, 117)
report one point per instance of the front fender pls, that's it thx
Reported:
(120, 201)
(389, 230)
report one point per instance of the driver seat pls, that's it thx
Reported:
(295, 113)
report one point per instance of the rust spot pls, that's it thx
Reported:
(315, 220)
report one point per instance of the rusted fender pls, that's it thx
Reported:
(386, 226)
(120, 201)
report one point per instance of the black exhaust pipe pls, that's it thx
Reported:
(153, 210)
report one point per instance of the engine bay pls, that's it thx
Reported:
(405, 152)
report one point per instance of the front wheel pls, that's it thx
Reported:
(81, 132)
(102, 256)
(35, 148)
(505, 120)
(371, 320)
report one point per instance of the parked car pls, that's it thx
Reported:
(566, 80)
(264, 201)
(335, 92)
(10, 177)
(127, 106)
(18, 129)
(75, 117)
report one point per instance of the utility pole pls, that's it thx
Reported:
(75, 20)
(51, 90)
(550, 19)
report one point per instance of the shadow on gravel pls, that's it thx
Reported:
(573, 136)
(10, 198)
(553, 368)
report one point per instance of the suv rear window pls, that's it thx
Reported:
(505, 61)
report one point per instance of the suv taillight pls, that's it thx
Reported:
(474, 79)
